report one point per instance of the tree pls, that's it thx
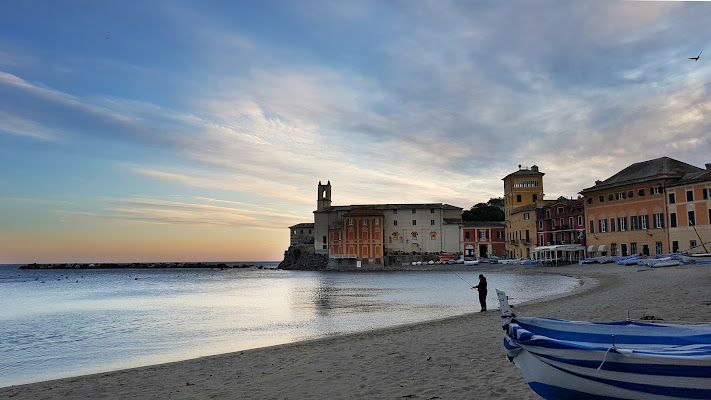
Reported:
(485, 212)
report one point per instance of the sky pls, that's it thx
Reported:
(199, 130)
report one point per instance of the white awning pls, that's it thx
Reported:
(601, 248)
(591, 249)
(560, 247)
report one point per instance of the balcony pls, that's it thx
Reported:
(562, 227)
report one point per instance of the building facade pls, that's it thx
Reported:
(627, 213)
(428, 228)
(560, 222)
(301, 234)
(522, 191)
(483, 239)
(689, 212)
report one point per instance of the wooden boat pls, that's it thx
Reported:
(609, 360)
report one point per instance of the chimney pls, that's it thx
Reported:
(534, 168)
(708, 166)
(598, 182)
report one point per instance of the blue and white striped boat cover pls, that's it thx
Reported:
(578, 360)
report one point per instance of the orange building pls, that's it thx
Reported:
(627, 213)
(689, 209)
(359, 237)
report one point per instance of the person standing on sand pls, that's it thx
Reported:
(481, 287)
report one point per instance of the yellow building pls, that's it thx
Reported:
(522, 190)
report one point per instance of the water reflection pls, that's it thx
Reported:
(58, 324)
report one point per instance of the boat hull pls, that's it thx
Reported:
(574, 360)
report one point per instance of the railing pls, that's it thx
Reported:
(342, 256)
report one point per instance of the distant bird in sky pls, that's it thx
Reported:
(697, 57)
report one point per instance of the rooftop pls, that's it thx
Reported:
(659, 168)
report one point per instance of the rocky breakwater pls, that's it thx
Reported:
(303, 258)
(131, 265)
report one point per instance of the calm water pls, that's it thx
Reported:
(61, 323)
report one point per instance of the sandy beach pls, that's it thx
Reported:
(455, 358)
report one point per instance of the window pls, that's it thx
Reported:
(692, 218)
(613, 249)
(414, 222)
(301, 231)
(466, 235)
(560, 210)
(562, 222)
(692, 244)
(675, 246)
(620, 196)
(689, 195)
(655, 190)
(395, 211)
(431, 222)
(707, 193)
(518, 198)
(622, 224)
(431, 210)
(610, 197)
(633, 248)
(377, 222)
(499, 234)
(601, 199)
(589, 200)
(350, 221)
(433, 235)
(658, 248)
(603, 225)
(414, 211)
(633, 223)
(641, 192)
(540, 225)
(548, 212)
(535, 197)
(630, 194)
(592, 226)
(483, 235)
(612, 224)
(395, 223)
(672, 220)
(659, 221)
(672, 198)
(526, 216)
(365, 221)
(580, 220)
(644, 222)
(570, 222)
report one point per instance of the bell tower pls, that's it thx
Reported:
(324, 196)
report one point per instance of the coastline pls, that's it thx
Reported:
(456, 357)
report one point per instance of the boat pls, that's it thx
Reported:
(471, 262)
(697, 258)
(563, 359)
(660, 262)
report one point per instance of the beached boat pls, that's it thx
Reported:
(471, 262)
(697, 258)
(609, 360)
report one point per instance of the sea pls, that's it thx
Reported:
(63, 323)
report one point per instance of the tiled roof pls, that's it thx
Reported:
(390, 207)
(303, 225)
(484, 224)
(694, 177)
(659, 168)
(524, 172)
(363, 212)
